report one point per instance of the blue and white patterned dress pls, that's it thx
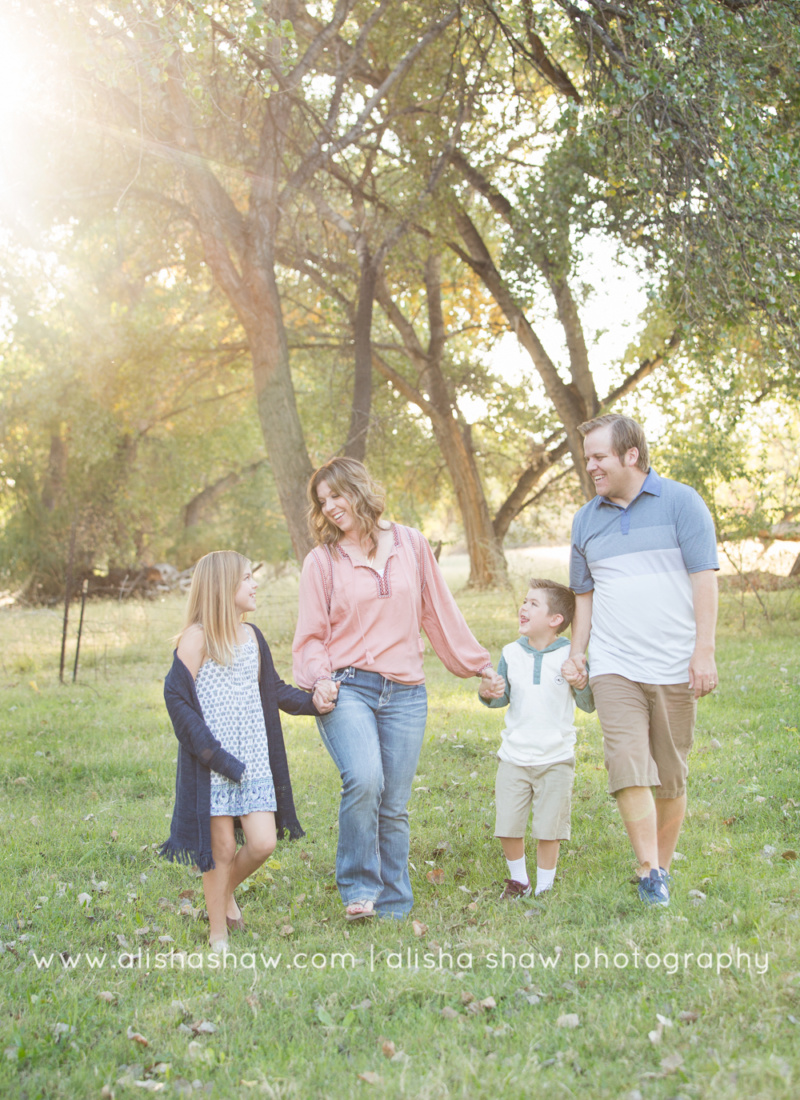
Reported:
(231, 702)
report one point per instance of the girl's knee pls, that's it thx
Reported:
(224, 849)
(261, 848)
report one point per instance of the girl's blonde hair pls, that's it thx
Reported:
(215, 581)
(349, 478)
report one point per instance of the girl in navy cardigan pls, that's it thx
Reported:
(223, 696)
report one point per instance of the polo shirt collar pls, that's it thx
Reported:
(651, 485)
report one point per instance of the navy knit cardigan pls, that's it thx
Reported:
(199, 752)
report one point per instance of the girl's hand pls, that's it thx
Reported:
(325, 695)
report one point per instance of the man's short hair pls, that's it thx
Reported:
(560, 599)
(625, 434)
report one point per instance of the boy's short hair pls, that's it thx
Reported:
(560, 599)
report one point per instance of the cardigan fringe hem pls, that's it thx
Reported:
(204, 861)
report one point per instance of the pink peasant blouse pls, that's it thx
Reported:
(350, 614)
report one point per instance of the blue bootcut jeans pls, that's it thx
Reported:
(374, 736)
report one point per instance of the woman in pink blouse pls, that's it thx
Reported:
(366, 592)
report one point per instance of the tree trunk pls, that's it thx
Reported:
(356, 445)
(487, 563)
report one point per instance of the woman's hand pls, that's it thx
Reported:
(324, 696)
(493, 686)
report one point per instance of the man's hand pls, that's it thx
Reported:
(325, 695)
(702, 674)
(493, 686)
(574, 671)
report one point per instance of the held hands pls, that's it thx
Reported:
(325, 694)
(493, 686)
(574, 671)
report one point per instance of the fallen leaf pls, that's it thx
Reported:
(569, 1019)
(287, 930)
(114, 834)
(22, 780)
(136, 1037)
(688, 1017)
(450, 1013)
(388, 1049)
(187, 894)
(490, 1002)
(143, 930)
(370, 1077)
(466, 997)
(84, 899)
(729, 820)
(205, 1027)
(790, 854)
(105, 995)
(418, 928)
(672, 1062)
(121, 940)
(436, 876)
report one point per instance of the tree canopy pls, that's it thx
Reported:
(352, 203)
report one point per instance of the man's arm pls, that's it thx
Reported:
(581, 629)
(705, 598)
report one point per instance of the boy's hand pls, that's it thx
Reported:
(493, 686)
(574, 672)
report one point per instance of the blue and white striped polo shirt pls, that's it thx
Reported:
(636, 561)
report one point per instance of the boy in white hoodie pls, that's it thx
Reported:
(536, 757)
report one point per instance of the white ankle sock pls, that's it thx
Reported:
(517, 870)
(544, 879)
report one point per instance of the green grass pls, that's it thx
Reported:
(87, 774)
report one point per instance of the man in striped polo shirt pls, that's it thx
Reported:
(643, 570)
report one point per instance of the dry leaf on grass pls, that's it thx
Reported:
(418, 928)
(450, 1013)
(370, 1077)
(205, 1027)
(287, 930)
(137, 1037)
(688, 1017)
(388, 1049)
(569, 1019)
(672, 1062)
(436, 876)
(106, 995)
(789, 854)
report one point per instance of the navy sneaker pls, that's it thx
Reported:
(653, 889)
(667, 877)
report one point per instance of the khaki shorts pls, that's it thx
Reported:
(548, 787)
(647, 733)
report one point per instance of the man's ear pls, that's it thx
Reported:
(631, 456)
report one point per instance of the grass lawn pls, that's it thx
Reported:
(106, 989)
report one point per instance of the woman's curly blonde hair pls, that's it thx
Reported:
(349, 478)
